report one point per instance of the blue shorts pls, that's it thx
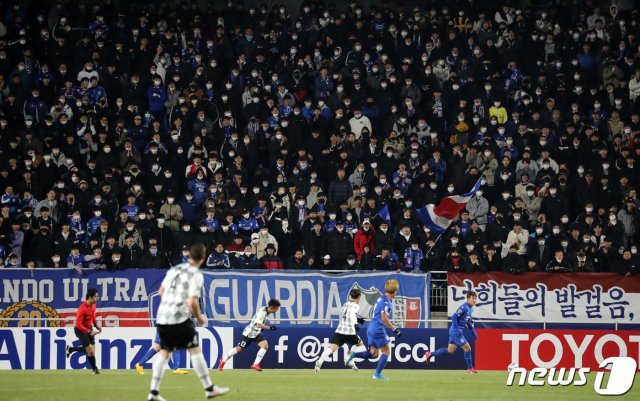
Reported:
(457, 338)
(377, 338)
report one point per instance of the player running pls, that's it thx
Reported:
(86, 328)
(460, 319)
(174, 362)
(376, 333)
(180, 291)
(253, 334)
(346, 331)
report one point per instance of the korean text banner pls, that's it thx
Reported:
(49, 293)
(559, 298)
(309, 298)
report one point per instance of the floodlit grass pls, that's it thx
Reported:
(280, 385)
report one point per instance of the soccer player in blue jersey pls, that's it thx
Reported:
(460, 319)
(377, 333)
(175, 358)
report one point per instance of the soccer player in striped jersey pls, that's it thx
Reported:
(180, 291)
(376, 332)
(346, 331)
(460, 319)
(253, 334)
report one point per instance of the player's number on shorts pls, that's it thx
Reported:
(242, 344)
(30, 318)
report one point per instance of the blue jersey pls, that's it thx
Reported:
(376, 332)
(384, 304)
(461, 318)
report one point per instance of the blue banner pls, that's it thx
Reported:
(57, 293)
(229, 298)
(310, 298)
(297, 348)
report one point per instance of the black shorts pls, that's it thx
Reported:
(178, 336)
(341, 339)
(246, 341)
(84, 338)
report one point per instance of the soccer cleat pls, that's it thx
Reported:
(352, 356)
(152, 397)
(217, 392)
(353, 366)
(96, 372)
(68, 348)
(180, 372)
(427, 356)
(139, 369)
(379, 376)
(221, 365)
(256, 367)
(472, 371)
(318, 365)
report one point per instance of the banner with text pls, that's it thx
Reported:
(310, 298)
(290, 348)
(33, 294)
(297, 348)
(116, 348)
(567, 298)
(497, 348)
(229, 298)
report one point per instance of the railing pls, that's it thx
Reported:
(439, 291)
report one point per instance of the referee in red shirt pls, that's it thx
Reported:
(86, 328)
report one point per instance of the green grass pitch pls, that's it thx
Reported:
(283, 385)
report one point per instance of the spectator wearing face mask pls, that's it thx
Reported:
(364, 236)
(412, 258)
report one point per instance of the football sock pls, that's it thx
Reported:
(440, 352)
(175, 361)
(92, 361)
(229, 355)
(148, 356)
(77, 349)
(200, 366)
(469, 358)
(364, 354)
(158, 372)
(326, 355)
(259, 356)
(382, 362)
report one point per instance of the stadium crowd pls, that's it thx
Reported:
(307, 138)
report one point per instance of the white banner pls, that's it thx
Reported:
(558, 298)
(116, 347)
